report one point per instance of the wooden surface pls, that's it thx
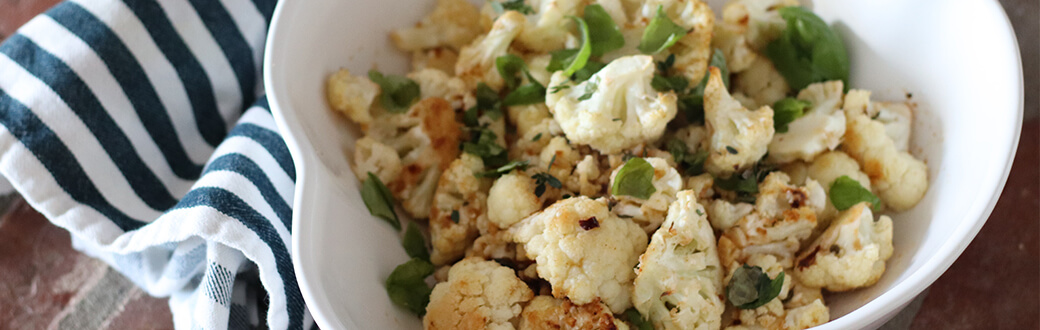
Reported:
(994, 284)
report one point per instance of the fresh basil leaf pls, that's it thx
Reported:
(691, 102)
(808, 50)
(786, 111)
(591, 68)
(637, 320)
(581, 57)
(635, 178)
(407, 286)
(529, 93)
(516, 164)
(483, 144)
(379, 200)
(660, 34)
(603, 32)
(559, 59)
(414, 243)
(750, 287)
(675, 83)
(397, 93)
(847, 192)
(509, 67)
(517, 5)
(690, 164)
(745, 182)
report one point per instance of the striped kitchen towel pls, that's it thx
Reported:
(140, 127)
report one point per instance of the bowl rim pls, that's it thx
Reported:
(886, 304)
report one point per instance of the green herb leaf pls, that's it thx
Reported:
(603, 32)
(536, 137)
(690, 164)
(808, 50)
(675, 83)
(637, 320)
(558, 88)
(590, 89)
(517, 5)
(847, 192)
(455, 216)
(484, 145)
(740, 182)
(691, 103)
(407, 286)
(397, 93)
(379, 200)
(591, 68)
(581, 57)
(660, 34)
(488, 102)
(530, 93)
(509, 67)
(414, 243)
(750, 287)
(786, 111)
(516, 164)
(635, 178)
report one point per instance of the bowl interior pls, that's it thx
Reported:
(960, 63)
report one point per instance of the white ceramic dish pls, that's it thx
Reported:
(959, 60)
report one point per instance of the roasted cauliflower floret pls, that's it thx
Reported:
(784, 216)
(377, 158)
(747, 26)
(526, 117)
(829, 167)
(452, 23)
(739, 137)
(899, 179)
(479, 294)
(898, 118)
(477, 60)
(458, 206)
(437, 83)
(546, 312)
(426, 141)
(795, 307)
(529, 145)
(440, 58)
(583, 251)
(679, 278)
(650, 213)
(850, 254)
(693, 51)
(547, 28)
(724, 214)
(512, 199)
(819, 130)
(352, 96)
(761, 82)
(616, 108)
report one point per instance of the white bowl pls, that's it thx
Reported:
(959, 60)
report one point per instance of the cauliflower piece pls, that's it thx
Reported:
(526, 117)
(798, 171)
(693, 51)
(694, 136)
(829, 167)
(562, 156)
(808, 316)
(784, 216)
(437, 83)
(650, 213)
(479, 294)
(587, 178)
(898, 118)
(583, 251)
(546, 312)
(819, 130)
(850, 254)
(476, 61)
(512, 199)
(760, 20)
(857, 101)
(547, 27)
(899, 179)
(739, 138)
(352, 96)
(616, 108)
(453, 23)
(730, 39)
(375, 157)
(458, 206)
(795, 307)
(440, 58)
(724, 214)
(761, 82)
(426, 140)
(679, 279)
(703, 185)
(529, 145)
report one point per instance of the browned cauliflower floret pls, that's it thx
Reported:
(850, 254)
(582, 250)
(512, 199)
(452, 23)
(761, 82)
(440, 58)
(898, 118)
(478, 295)
(379, 159)
(746, 28)
(476, 61)
(458, 206)
(819, 130)
(829, 167)
(547, 26)
(899, 179)
(679, 279)
(693, 51)
(739, 137)
(650, 213)
(529, 145)
(724, 214)
(352, 96)
(795, 307)
(784, 216)
(437, 83)
(546, 312)
(426, 141)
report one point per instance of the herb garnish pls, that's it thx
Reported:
(396, 93)
(414, 243)
(847, 192)
(517, 5)
(660, 34)
(786, 111)
(635, 178)
(542, 179)
(750, 287)
(808, 51)
(516, 164)
(407, 286)
(379, 200)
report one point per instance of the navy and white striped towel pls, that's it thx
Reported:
(129, 124)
